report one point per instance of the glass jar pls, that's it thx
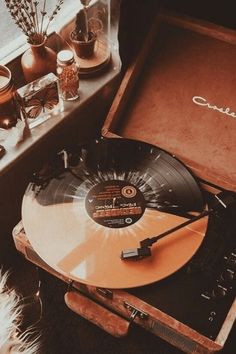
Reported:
(68, 75)
(93, 34)
(8, 117)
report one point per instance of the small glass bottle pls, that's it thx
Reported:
(68, 75)
(8, 117)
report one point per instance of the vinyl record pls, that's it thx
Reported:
(113, 194)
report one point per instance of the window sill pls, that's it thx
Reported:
(96, 94)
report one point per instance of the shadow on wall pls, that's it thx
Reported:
(136, 17)
(210, 10)
(135, 20)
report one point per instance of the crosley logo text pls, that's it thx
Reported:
(203, 102)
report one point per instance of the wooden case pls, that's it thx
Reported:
(179, 95)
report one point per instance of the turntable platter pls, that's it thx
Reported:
(118, 193)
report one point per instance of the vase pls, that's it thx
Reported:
(37, 61)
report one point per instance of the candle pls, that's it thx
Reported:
(7, 108)
(3, 81)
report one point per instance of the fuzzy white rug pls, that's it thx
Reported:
(11, 341)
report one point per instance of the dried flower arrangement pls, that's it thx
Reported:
(32, 17)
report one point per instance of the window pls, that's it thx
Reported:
(13, 42)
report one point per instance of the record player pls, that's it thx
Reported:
(141, 222)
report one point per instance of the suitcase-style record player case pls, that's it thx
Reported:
(178, 96)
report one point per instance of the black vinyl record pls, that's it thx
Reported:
(166, 182)
(93, 201)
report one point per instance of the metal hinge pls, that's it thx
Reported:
(135, 312)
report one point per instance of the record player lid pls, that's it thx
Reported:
(184, 99)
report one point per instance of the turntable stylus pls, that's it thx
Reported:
(223, 199)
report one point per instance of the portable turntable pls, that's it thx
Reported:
(143, 227)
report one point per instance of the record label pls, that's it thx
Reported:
(115, 203)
